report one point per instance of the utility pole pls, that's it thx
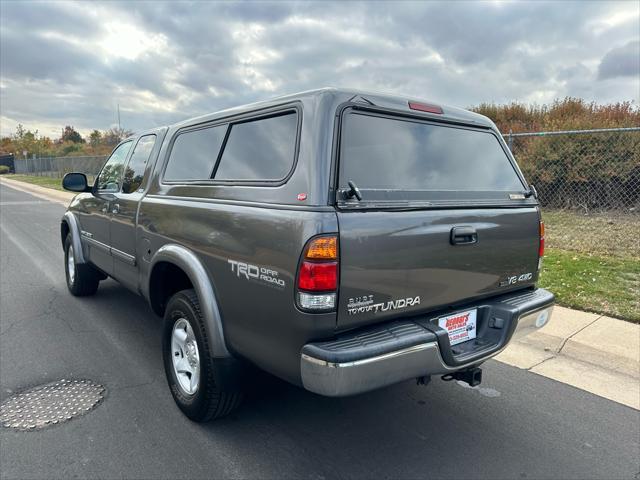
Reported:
(119, 127)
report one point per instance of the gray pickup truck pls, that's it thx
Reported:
(340, 240)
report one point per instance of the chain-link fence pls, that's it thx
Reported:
(590, 170)
(57, 167)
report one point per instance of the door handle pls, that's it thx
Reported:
(115, 209)
(463, 236)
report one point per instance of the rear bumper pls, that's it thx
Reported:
(367, 359)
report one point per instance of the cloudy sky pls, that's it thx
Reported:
(72, 63)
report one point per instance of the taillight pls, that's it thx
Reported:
(541, 245)
(318, 274)
(318, 277)
(322, 248)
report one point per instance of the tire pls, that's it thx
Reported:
(82, 278)
(188, 361)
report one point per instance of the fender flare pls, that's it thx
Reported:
(192, 266)
(74, 229)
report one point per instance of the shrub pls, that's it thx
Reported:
(600, 170)
(4, 169)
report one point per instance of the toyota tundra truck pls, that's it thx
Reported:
(341, 240)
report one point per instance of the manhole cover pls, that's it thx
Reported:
(50, 404)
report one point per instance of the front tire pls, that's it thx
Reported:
(188, 363)
(82, 278)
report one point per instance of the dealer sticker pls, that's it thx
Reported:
(461, 326)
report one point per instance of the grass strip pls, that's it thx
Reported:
(594, 283)
(48, 182)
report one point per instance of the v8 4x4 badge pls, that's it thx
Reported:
(515, 279)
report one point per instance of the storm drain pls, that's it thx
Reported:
(50, 404)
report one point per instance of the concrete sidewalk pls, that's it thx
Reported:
(588, 351)
(41, 192)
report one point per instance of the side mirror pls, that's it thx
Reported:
(75, 182)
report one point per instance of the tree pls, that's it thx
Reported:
(115, 135)
(25, 140)
(95, 138)
(69, 148)
(6, 145)
(70, 135)
(20, 131)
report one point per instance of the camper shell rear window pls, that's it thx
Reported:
(404, 159)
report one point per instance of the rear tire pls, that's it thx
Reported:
(188, 363)
(82, 278)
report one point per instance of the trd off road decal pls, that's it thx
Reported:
(366, 304)
(254, 272)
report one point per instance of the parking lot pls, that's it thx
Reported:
(517, 425)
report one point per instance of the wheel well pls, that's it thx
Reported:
(166, 279)
(64, 231)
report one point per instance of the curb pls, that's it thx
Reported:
(592, 352)
(587, 337)
(50, 194)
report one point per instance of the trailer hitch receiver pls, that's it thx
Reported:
(472, 376)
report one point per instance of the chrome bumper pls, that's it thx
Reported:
(330, 377)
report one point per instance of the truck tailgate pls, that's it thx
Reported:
(398, 263)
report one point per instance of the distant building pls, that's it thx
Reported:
(7, 159)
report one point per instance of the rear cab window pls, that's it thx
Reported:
(254, 150)
(400, 160)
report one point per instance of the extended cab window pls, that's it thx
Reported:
(111, 173)
(194, 154)
(260, 149)
(398, 159)
(134, 173)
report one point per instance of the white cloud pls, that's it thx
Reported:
(123, 40)
(62, 63)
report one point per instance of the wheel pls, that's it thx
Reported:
(188, 363)
(82, 278)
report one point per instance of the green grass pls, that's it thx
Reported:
(616, 235)
(606, 285)
(592, 262)
(55, 183)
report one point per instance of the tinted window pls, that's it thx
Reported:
(194, 154)
(134, 173)
(390, 154)
(111, 173)
(259, 150)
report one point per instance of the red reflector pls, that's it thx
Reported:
(318, 277)
(424, 107)
(541, 247)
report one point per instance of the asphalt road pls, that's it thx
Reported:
(517, 425)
